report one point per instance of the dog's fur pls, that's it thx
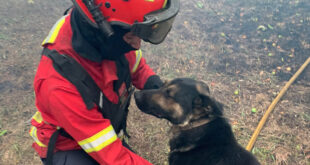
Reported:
(200, 133)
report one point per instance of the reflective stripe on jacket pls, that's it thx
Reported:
(60, 104)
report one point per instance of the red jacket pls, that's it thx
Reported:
(61, 105)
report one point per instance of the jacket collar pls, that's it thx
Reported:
(79, 43)
(90, 43)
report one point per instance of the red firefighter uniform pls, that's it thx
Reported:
(60, 105)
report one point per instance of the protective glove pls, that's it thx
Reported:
(153, 82)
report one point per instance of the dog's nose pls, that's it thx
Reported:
(137, 95)
(138, 98)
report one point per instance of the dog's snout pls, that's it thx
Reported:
(137, 95)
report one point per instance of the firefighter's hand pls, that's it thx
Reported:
(153, 82)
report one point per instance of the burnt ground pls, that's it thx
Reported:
(245, 50)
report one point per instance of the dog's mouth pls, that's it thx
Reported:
(152, 111)
(141, 104)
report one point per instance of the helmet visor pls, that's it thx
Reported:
(157, 24)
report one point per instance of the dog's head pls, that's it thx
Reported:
(180, 101)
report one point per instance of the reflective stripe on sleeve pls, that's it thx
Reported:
(33, 134)
(54, 31)
(100, 140)
(37, 117)
(138, 58)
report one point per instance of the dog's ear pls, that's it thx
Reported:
(205, 101)
(207, 105)
(202, 88)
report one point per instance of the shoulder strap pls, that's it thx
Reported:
(123, 73)
(77, 75)
(51, 147)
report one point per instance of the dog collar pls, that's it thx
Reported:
(197, 123)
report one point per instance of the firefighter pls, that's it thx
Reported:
(90, 65)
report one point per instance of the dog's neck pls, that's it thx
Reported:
(207, 133)
(194, 124)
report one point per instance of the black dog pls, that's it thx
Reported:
(200, 133)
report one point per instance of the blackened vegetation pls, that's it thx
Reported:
(228, 33)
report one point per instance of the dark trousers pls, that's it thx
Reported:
(75, 157)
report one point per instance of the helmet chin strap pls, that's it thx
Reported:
(102, 23)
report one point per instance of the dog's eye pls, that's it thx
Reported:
(168, 92)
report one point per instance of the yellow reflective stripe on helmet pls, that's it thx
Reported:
(33, 134)
(37, 117)
(99, 140)
(54, 32)
(165, 3)
(138, 58)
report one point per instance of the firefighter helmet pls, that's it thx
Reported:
(151, 20)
